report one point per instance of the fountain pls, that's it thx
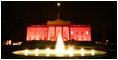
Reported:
(60, 45)
(60, 51)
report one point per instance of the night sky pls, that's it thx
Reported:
(16, 16)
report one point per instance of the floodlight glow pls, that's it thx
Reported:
(92, 52)
(47, 51)
(26, 52)
(82, 52)
(36, 52)
(70, 51)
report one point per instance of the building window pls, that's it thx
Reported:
(86, 38)
(77, 32)
(82, 38)
(77, 38)
(40, 32)
(52, 39)
(29, 38)
(45, 32)
(35, 33)
(39, 38)
(30, 33)
(81, 32)
(35, 38)
(64, 32)
(71, 32)
(86, 32)
(52, 32)
(64, 39)
(45, 38)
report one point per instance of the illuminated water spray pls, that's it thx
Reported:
(60, 51)
(60, 48)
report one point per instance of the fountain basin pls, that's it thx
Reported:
(52, 53)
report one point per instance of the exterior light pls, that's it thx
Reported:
(30, 33)
(86, 32)
(26, 52)
(52, 39)
(106, 43)
(92, 52)
(64, 39)
(71, 32)
(71, 51)
(36, 52)
(82, 52)
(52, 32)
(48, 51)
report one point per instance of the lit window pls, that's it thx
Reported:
(45, 38)
(52, 39)
(30, 38)
(40, 38)
(76, 38)
(64, 39)
(82, 33)
(86, 38)
(86, 32)
(30, 33)
(71, 32)
(35, 38)
(58, 32)
(82, 38)
(77, 32)
(45, 32)
(52, 32)
(64, 32)
(35, 33)
(40, 32)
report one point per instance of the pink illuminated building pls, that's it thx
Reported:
(50, 31)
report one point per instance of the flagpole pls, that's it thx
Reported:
(58, 5)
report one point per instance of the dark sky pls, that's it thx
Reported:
(102, 16)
